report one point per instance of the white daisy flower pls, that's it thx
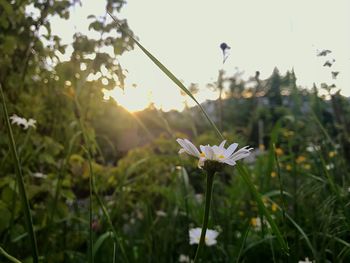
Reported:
(22, 122)
(214, 153)
(210, 236)
(18, 120)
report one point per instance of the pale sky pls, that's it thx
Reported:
(185, 36)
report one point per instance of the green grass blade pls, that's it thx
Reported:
(19, 176)
(91, 244)
(100, 241)
(243, 240)
(168, 73)
(104, 210)
(262, 207)
(8, 256)
(257, 243)
(301, 231)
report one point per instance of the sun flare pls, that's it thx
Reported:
(135, 99)
(130, 99)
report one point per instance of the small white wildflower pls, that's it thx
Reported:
(31, 122)
(305, 261)
(161, 213)
(210, 236)
(184, 258)
(329, 166)
(214, 153)
(39, 175)
(349, 189)
(22, 122)
(313, 148)
(257, 223)
(18, 120)
(199, 198)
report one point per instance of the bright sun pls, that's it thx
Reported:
(130, 98)
(137, 99)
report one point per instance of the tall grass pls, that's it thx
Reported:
(20, 182)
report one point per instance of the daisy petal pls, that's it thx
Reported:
(209, 152)
(231, 149)
(188, 147)
(229, 162)
(222, 144)
(194, 148)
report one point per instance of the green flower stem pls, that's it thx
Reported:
(209, 190)
(20, 181)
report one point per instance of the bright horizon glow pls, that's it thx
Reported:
(185, 36)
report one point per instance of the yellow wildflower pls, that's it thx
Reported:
(279, 151)
(254, 221)
(288, 167)
(300, 159)
(288, 133)
(274, 207)
(332, 154)
(273, 174)
(307, 166)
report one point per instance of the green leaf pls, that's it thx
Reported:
(9, 45)
(6, 6)
(5, 216)
(100, 241)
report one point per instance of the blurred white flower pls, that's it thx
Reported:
(257, 223)
(184, 258)
(161, 213)
(313, 148)
(18, 120)
(214, 153)
(39, 175)
(198, 198)
(210, 236)
(31, 122)
(306, 260)
(22, 122)
(329, 166)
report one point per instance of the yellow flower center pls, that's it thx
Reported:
(253, 221)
